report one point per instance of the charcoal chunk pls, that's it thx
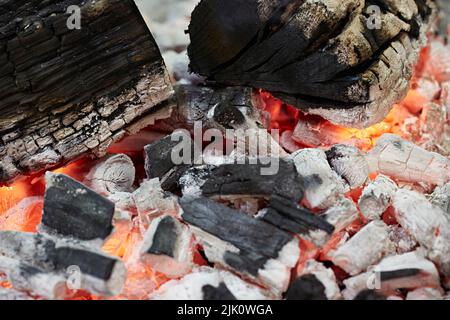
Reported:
(307, 287)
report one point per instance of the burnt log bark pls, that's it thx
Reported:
(321, 56)
(66, 93)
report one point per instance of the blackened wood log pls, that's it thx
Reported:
(66, 93)
(72, 210)
(319, 55)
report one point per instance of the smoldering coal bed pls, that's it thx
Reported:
(316, 151)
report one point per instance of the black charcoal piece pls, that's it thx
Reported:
(90, 263)
(396, 274)
(247, 179)
(257, 240)
(217, 294)
(159, 158)
(289, 216)
(307, 287)
(369, 295)
(73, 210)
(165, 238)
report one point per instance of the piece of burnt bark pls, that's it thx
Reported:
(167, 247)
(250, 247)
(72, 210)
(67, 92)
(289, 216)
(307, 287)
(337, 59)
(247, 179)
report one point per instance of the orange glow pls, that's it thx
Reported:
(10, 196)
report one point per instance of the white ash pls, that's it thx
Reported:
(376, 197)
(152, 201)
(425, 294)
(191, 286)
(441, 197)
(324, 275)
(12, 294)
(341, 215)
(402, 160)
(427, 223)
(428, 276)
(364, 249)
(123, 200)
(325, 187)
(113, 174)
(403, 241)
(350, 163)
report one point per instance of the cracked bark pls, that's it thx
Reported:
(67, 93)
(321, 56)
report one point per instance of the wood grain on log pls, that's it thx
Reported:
(65, 93)
(321, 56)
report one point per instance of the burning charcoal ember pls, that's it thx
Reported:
(445, 96)
(438, 63)
(167, 247)
(423, 91)
(24, 216)
(292, 54)
(340, 216)
(67, 104)
(403, 241)
(433, 123)
(307, 287)
(115, 174)
(376, 197)
(368, 295)
(250, 247)
(38, 264)
(248, 179)
(12, 294)
(364, 249)
(350, 164)
(288, 143)
(425, 294)
(441, 197)
(325, 276)
(427, 223)
(316, 132)
(289, 216)
(152, 201)
(323, 187)
(405, 161)
(159, 155)
(407, 271)
(72, 210)
(206, 283)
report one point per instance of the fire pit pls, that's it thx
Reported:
(275, 150)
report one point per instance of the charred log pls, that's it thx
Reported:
(66, 93)
(335, 59)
